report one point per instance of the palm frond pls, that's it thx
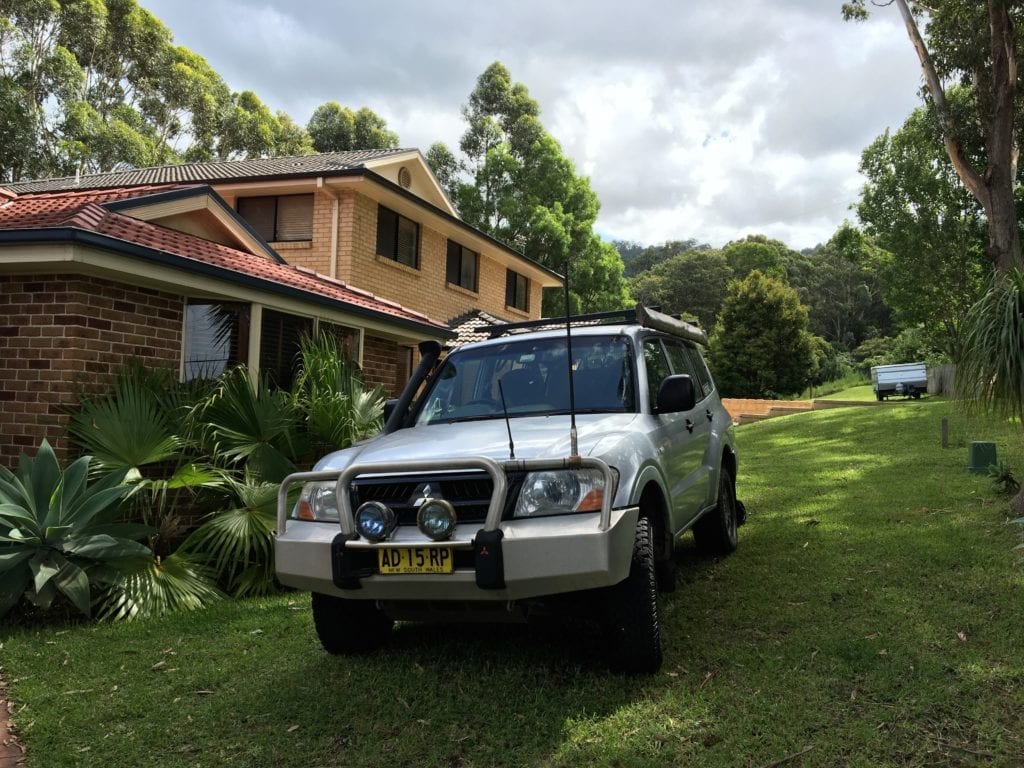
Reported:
(145, 587)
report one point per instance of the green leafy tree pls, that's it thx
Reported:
(965, 41)
(88, 85)
(515, 183)
(638, 258)
(334, 128)
(914, 206)
(760, 346)
(841, 284)
(757, 252)
(692, 282)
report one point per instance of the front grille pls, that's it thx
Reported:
(468, 492)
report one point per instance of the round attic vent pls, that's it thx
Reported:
(404, 177)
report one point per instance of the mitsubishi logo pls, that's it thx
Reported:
(422, 494)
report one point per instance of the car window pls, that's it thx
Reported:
(531, 378)
(657, 368)
(701, 367)
(687, 360)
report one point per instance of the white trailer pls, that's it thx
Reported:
(906, 379)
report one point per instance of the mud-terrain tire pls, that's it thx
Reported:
(349, 626)
(633, 632)
(715, 533)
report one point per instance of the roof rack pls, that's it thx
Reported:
(649, 317)
(626, 316)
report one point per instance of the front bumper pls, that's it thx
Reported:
(538, 556)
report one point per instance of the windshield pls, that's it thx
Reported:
(532, 376)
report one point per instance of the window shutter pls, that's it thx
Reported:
(453, 269)
(408, 237)
(295, 217)
(387, 229)
(468, 275)
(260, 213)
(510, 288)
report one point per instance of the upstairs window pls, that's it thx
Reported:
(517, 291)
(398, 238)
(280, 218)
(462, 266)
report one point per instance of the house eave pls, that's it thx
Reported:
(84, 238)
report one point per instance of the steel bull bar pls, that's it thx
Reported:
(486, 544)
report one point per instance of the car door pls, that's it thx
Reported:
(697, 485)
(682, 438)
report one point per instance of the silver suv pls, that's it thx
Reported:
(540, 471)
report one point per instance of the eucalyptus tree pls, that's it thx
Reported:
(334, 128)
(513, 181)
(933, 229)
(973, 44)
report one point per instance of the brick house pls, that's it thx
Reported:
(201, 266)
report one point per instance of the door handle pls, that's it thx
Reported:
(708, 412)
(689, 426)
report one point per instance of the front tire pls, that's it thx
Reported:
(715, 533)
(349, 626)
(632, 626)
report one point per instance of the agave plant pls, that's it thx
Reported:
(56, 530)
(238, 543)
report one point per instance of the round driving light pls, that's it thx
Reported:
(436, 519)
(375, 521)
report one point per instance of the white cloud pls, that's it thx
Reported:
(710, 121)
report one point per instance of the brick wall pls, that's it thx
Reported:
(384, 364)
(62, 335)
(424, 289)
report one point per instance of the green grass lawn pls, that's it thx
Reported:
(862, 392)
(872, 616)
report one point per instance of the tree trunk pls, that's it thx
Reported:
(1003, 233)
(993, 189)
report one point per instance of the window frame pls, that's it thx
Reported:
(276, 233)
(455, 266)
(512, 283)
(390, 247)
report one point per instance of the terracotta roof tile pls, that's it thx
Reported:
(86, 211)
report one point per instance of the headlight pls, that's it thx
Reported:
(436, 519)
(375, 521)
(561, 492)
(318, 503)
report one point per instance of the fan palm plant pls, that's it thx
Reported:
(139, 429)
(250, 428)
(142, 587)
(238, 543)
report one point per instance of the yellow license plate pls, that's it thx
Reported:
(394, 560)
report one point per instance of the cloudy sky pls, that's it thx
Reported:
(709, 120)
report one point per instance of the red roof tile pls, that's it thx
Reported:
(84, 210)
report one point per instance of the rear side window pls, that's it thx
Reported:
(688, 360)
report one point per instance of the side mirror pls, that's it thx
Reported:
(389, 408)
(676, 394)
